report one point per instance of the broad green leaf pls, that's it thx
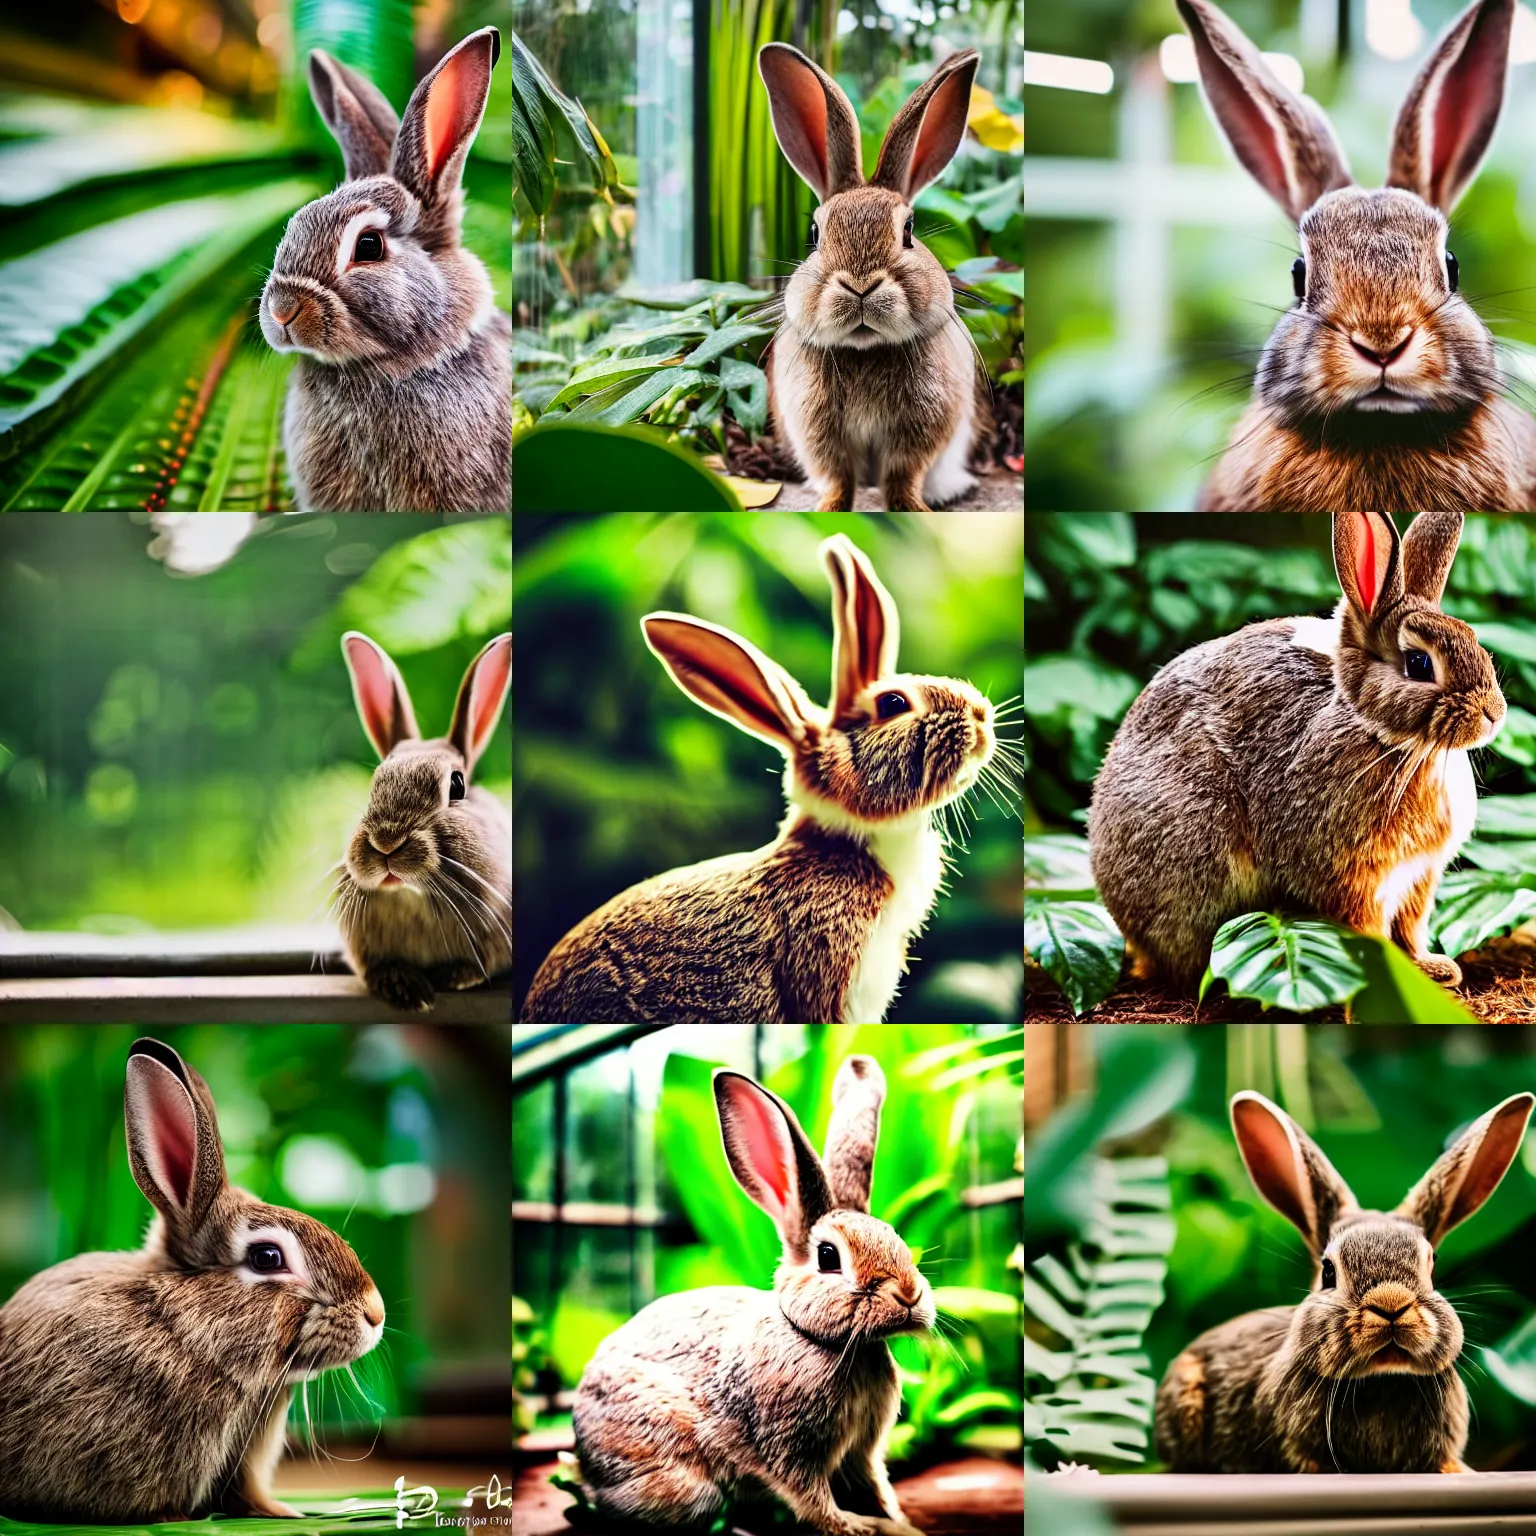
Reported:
(1300, 964)
(1077, 685)
(595, 376)
(1078, 946)
(1473, 906)
(646, 394)
(1506, 816)
(537, 105)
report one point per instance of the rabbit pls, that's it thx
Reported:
(814, 927)
(1379, 389)
(1303, 763)
(401, 398)
(154, 1385)
(728, 1390)
(424, 892)
(1361, 1375)
(873, 371)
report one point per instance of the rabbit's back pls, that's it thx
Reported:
(766, 937)
(439, 439)
(102, 1360)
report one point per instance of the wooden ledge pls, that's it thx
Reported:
(232, 1000)
(1353, 1504)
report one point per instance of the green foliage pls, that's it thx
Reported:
(682, 373)
(194, 748)
(1078, 945)
(1085, 1318)
(373, 1510)
(621, 776)
(1296, 963)
(537, 107)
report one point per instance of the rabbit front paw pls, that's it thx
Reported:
(403, 987)
(461, 977)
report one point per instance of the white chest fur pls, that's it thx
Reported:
(1460, 799)
(912, 854)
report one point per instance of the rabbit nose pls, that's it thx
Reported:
(283, 310)
(1380, 357)
(860, 293)
(382, 843)
(979, 711)
(373, 1307)
(908, 1295)
(1386, 1312)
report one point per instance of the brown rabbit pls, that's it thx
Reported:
(727, 1389)
(1361, 1376)
(1380, 388)
(150, 1386)
(401, 401)
(873, 371)
(814, 927)
(1305, 763)
(424, 894)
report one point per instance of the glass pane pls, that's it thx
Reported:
(533, 1144)
(597, 1145)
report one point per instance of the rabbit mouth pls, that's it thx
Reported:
(1393, 1357)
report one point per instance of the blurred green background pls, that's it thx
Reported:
(181, 750)
(619, 775)
(151, 152)
(1382, 1102)
(637, 1126)
(1157, 266)
(394, 1136)
(654, 198)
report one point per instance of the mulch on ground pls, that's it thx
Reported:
(1498, 985)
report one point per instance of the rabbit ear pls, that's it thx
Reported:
(1464, 1177)
(813, 120)
(355, 111)
(440, 123)
(772, 1160)
(865, 628)
(383, 705)
(925, 134)
(481, 697)
(1283, 140)
(1429, 547)
(731, 678)
(173, 1134)
(1447, 119)
(1366, 559)
(858, 1091)
(1288, 1168)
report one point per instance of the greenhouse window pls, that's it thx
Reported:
(239, 976)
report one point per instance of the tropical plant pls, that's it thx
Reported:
(539, 108)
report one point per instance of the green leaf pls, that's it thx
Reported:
(1078, 946)
(1397, 991)
(1513, 1362)
(646, 394)
(1506, 816)
(1473, 906)
(1057, 864)
(726, 339)
(1081, 685)
(537, 105)
(1297, 963)
(596, 376)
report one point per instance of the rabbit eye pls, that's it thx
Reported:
(370, 246)
(1452, 271)
(906, 233)
(1330, 1275)
(455, 785)
(889, 704)
(1299, 277)
(827, 1260)
(815, 234)
(1419, 666)
(265, 1258)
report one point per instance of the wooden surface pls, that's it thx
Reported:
(975, 1497)
(1360, 1504)
(304, 999)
